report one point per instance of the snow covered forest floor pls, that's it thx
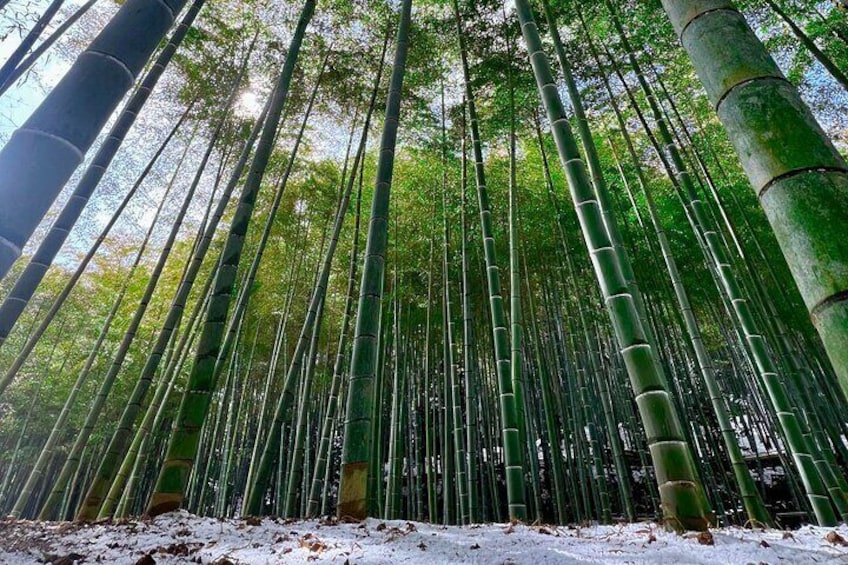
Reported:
(182, 538)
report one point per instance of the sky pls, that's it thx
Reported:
(22, 99)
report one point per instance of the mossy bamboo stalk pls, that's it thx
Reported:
(800, 178)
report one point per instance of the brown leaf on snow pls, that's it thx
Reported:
(69, 559)
(836, 539)
(509, 529)
(312, 543)
(146, 560)
(706, 538)
(475, 546)
(652, 538)
(395, 533)
(253, 521)
(73, 526)
(422, 546)
(381, 526)
(330, 520)
(179, 549)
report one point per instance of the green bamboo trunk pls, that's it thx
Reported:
(20, 295)
(116, 363)
(43, 153)
(59, 430)
(791, 425)
(182, 450)
(357, 446)
(469, 363)
(800, 177)
(510, 423)
(322, 465)
(116, 449)
(680, 488)
(751, 498)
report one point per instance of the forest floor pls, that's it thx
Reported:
(182, 538)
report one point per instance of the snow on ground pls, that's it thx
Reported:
(182, 538)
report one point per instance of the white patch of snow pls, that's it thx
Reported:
(182, 538)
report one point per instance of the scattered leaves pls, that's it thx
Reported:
(180, 549)
(312, 543)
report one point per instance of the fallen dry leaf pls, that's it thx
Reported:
(146, 560)
(836, 539)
